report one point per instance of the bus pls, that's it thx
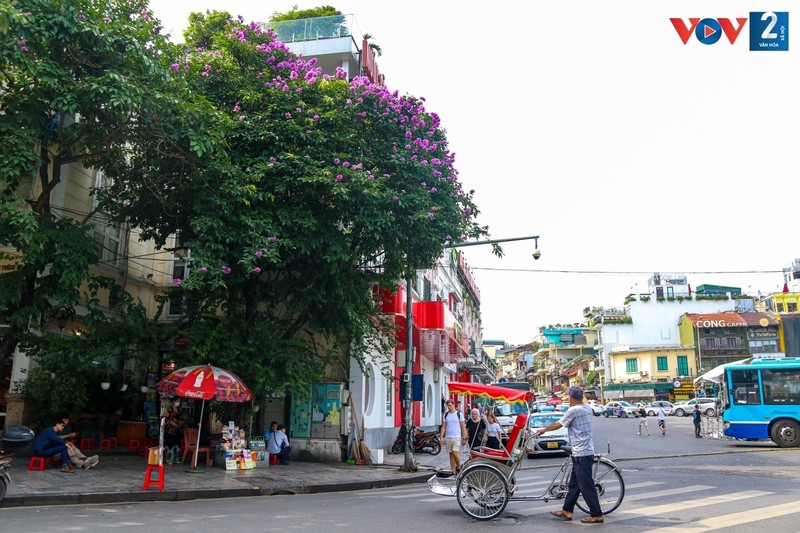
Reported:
(762, 401)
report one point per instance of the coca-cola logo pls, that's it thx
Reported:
(193, 394)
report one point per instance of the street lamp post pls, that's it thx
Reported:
(408, 463)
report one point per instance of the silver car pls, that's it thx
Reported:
(555, 441)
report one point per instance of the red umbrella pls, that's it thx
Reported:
(204, 382)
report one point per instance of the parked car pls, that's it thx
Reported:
(597, 407)
(544, 407)
(652, 409)
(555, 441)
(620, 409)
(562, 407)
(707, 406)
(506, 414)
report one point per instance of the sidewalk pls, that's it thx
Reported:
(119, 477)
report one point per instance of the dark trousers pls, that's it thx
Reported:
(697, 429)
(582, 484)
(55, 450)
(283, 455)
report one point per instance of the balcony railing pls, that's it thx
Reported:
(333, 27)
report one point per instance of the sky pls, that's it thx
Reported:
(592, 125)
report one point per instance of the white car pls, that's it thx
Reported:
(555, 441)
(707, 406)
(597, 407)
(621, 409)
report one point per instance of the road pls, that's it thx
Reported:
(674, 483)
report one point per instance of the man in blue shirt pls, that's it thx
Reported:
(578, 421)
(48, 444)
(273, 426)
(279, 445)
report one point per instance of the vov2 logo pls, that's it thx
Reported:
(769, 30)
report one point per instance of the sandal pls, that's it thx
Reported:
(561, 515)
(592, 520)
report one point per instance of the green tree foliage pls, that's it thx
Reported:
(82, 83)
(329, 189)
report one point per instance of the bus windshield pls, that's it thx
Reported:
(762, 401)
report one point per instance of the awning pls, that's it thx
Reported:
(637, 393)
(715, 374)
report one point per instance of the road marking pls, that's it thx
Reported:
(654, 510)
(665, 492)
(734, 519)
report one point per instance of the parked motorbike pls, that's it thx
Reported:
(424, 441)
(15, 439)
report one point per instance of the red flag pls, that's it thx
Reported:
(785, 287)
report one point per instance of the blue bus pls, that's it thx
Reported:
(762, 401)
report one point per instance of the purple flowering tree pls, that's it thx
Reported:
(328, 188)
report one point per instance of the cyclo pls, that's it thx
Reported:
(487, 480)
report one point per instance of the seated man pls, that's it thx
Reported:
(279, 445)
(48, 444)
(76, 457)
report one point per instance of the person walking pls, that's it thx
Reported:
(643, 421)
(452, 434)
(493, 432)
(696, 414)
(476, 429)
(578, 421)
(662, 420)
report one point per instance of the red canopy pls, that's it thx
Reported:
(490, 391)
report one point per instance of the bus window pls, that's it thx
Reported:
(781, 386)
(744, 384)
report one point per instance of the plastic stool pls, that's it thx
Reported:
(273, 459)
(37, 463)
(149, 481)
(87, 443)
(108, 444)
(55, 460)
(134, 443)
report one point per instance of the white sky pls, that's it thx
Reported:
(593, 126)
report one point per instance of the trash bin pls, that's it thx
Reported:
(17, 438)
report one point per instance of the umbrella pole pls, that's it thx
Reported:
(197, 444)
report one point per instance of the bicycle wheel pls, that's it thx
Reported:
(609, 484)
(482, 492)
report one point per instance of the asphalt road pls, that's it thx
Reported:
(673, 483)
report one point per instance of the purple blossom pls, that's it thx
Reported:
(272, 239)
(177, 282)
(316, 118)
(467, 211)
(226, 270)
(236, 107)
(106, 19)
(339, 177)
(175, 67)
(203, 269)
(395, 198)
(257, 270)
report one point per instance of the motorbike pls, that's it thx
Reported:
(15, 439)
(424, 441)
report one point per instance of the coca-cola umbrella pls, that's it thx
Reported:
(204, 382)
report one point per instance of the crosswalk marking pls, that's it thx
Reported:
(734, 519)
(652, 510)
(661, 493)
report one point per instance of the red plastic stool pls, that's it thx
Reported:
(108, 444)
(55, 460)
(134, 443)
(37, 463)
(87, 443)
(149, 481)
(273, 459)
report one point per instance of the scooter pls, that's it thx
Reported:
(15, 439)
(424, 441)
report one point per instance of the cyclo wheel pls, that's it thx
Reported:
(482, 492)
(609, 484)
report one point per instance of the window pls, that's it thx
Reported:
(732, 342)
(107, 236)
(781, 386)
(791, 307)
(744, 385)
(661, 363)
(389, 396)
(766, 346)
(180, 270)
(631, 365)
(683, 365)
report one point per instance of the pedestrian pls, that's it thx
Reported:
(453, 433)
(696, 414)
(493, 432)
(643, 421)
(172, 432)
(279, 445)
(662, 420)
(48, 444)
(578, 421)
(476, 429)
